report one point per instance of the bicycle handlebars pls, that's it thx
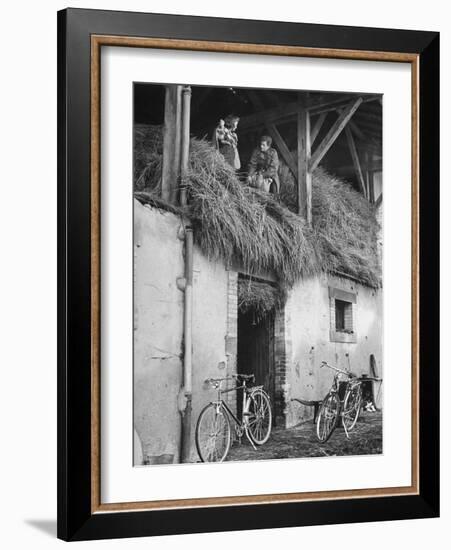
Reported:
(326, 364)
(350, 374)
(217, 381)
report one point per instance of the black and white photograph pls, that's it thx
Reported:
(257, 276)
(225, 282)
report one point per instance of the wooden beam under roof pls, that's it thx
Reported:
(356, 161)
(333, 133)
(283, 149)
(274, 133)
(289, 111)
(304, 179)
(316, 129)
(357, 131)
(355, 128)
(300, 171)
(333, 105)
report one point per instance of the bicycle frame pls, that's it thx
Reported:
(351, 382)
(241, 424)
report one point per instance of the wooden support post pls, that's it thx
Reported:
(356, 161)
(304, 174)
(366, 173)
(184, 154)
(171, 143)
(333, 133)
(371, 177)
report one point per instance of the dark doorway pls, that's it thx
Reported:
(256, 351)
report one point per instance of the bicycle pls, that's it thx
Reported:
(332, 407)
(213, 428)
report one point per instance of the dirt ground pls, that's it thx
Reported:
(301, 441)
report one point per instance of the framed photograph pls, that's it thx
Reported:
(248, 274)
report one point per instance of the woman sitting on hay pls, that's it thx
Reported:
(264, 167)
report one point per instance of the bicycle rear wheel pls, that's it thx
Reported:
(259, 421)
(327, 417)
(213, 433)
(351, 407)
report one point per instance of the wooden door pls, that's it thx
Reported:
(256, 349)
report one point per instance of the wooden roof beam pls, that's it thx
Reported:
(290, 110)
(316, 129)
(354, 127)
(283, 149)
(355, 161)
(274, 133)
(333, 133)
(335, 104)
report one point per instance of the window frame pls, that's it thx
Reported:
(345, 336)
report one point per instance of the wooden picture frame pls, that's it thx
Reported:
(81, 35)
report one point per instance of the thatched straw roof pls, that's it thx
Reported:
(236, 223)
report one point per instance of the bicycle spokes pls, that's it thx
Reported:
(327, 417)
(213, 434)
(259, 418)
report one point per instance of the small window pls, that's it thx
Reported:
(343, 316)
(342, 311)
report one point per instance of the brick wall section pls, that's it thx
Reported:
(282, 358)
(232, 333)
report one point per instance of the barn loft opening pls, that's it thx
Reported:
(355, 154)
(317, 222)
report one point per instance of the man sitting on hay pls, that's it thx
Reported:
(264, 166)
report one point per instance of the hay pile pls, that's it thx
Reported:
(236, 223)
(345, 229)
(147, 158)
(261, 298)
(344, 226)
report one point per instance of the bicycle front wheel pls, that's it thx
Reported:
(259, 420)
(213, 433)
(351, 407)
(327, 416)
